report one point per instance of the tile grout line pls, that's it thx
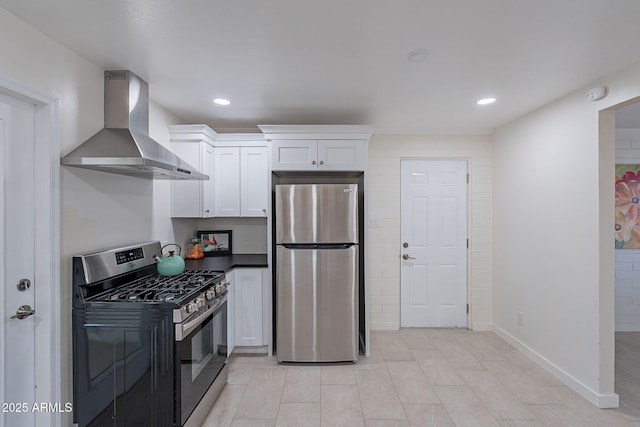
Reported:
(284, 383)
(396, 390)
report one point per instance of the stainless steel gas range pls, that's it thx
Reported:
(148, 350)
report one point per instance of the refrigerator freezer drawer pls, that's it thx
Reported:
(317, 305)
(317, 213)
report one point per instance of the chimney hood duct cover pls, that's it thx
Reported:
(124, 146)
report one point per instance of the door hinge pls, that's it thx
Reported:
(467, 178)
(467, 308)
(467, 243)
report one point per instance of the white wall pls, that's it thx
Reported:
(383, 191)
(553, 223)
(628, 260)
(99, 210)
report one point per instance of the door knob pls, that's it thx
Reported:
(23, 312)
(405, 245)
(406, 256)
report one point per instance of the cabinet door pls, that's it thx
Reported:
(344, 155)
(125, 367)
(227, 181)
(186, 196)
(254, 179)
(248, 306)
(294, 154)
(231, 314)
(207, 186)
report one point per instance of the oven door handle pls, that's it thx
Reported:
(184, 329)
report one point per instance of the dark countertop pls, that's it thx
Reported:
(226, 263)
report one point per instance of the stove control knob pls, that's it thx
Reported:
(200, 302)
(191, 307)
(210, 294)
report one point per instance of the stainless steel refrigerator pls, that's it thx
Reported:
(316, 272)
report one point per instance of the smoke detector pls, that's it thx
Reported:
(597, 93)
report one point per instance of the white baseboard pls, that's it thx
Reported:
(384, 326)
(251, 350)
(611, 400)
(627, 327)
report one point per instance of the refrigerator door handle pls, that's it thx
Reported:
(317, 246)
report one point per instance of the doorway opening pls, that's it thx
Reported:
(627, 258)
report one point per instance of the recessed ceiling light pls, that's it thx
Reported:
(486, 101)
(419, 55)
(222, 101)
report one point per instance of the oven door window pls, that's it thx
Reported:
(202, 354)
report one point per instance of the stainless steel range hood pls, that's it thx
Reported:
(124, 146)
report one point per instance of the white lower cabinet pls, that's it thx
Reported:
(231, 315)
(247, 313)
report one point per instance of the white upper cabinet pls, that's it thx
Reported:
(208, 168)
(308, 148)
(338, 155)
(238, 167)
(193, 199)
(241, 180)
(294, 154)
(227, 181)
(254, 179)
(342, 154)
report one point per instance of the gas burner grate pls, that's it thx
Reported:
(156, 288)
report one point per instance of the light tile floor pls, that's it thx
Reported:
(628, 371)
(414, 377)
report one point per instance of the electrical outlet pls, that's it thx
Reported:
(374, 223)
(520, 317)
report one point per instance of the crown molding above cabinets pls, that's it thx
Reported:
(276, 132)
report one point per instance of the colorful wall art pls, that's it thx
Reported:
(627, 230)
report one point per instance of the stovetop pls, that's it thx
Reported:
(156, 288)
(126, 278)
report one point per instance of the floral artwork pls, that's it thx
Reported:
(627, 230)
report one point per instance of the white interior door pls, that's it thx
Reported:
(17, 239)
(433, 288)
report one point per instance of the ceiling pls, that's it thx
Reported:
(346, 62)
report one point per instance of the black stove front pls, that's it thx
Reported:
(123, 367)
(146, 348)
